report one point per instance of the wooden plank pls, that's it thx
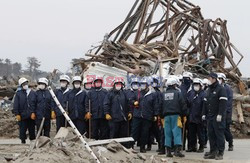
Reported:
(107, 141)
(240, 113)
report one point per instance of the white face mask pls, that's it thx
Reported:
(209, 82)
(154, 85)
(118, 87)
(135, 87)
(41, 86)
(63, 84)
(25, 87)
(143, 86)
(196, 88)
(77, 86)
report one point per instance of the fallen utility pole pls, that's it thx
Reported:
(85, 144)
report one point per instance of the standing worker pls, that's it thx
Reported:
(185, 87)
(172, 109)
(228, 135)
(61, 95)
(24, 110)
(144, 113)
(116, 110)
(76, 101)
(87, 84)
(155, 129)
(44, 103)
(95, 111)
(133, 97)
(214, 112)
(195, 102)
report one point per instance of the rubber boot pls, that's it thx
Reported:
(159, 148)
(210, 155)
(177, 151)
(162, 151)
(23, 141)
(219, 156)
(201, 149)
(142, 149)
(169, 152)
(149, 147)
(230, 147)
(191, 150)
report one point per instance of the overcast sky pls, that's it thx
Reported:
(55, 31)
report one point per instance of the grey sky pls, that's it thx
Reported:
(55, 31)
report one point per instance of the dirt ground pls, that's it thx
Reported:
(71, 151)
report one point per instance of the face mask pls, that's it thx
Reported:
(77, 86)
(25, 87)
(41, 86)
(209, 82)
(63, 84)
(196, 88)
(154, 85)
(135, 87)
(220, 81)
(143, 86)
(118, 87)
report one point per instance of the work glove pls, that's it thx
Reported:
(18, 118)
(184, 120)
(179, 123)
(108, 117)
(203, 117)
(136, 104)
(88, 116)
(33, 116)
(130, 116)
(218, 118)
(53, 115)
(163, 123)
(155, 118)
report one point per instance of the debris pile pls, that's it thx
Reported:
(8, 125)
(181, 39)
(70, 149)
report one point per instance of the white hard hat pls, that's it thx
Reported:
(118, 81)
(187, 75)
(43, 80)
(177, 81)
(77, 78)
(180, 77)
(65, 77)
(147, 80)
(205, 81)
(97, 78)
(155, 77)
(21, 81)
(135, 80)
(171, 81)
(87, 80)
(197, 81)
(222, 75)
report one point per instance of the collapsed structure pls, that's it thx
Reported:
(181, 39)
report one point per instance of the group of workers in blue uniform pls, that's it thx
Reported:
(182, 109)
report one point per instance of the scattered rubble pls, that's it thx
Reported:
(8, 125)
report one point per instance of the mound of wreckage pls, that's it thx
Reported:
(181, 39)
